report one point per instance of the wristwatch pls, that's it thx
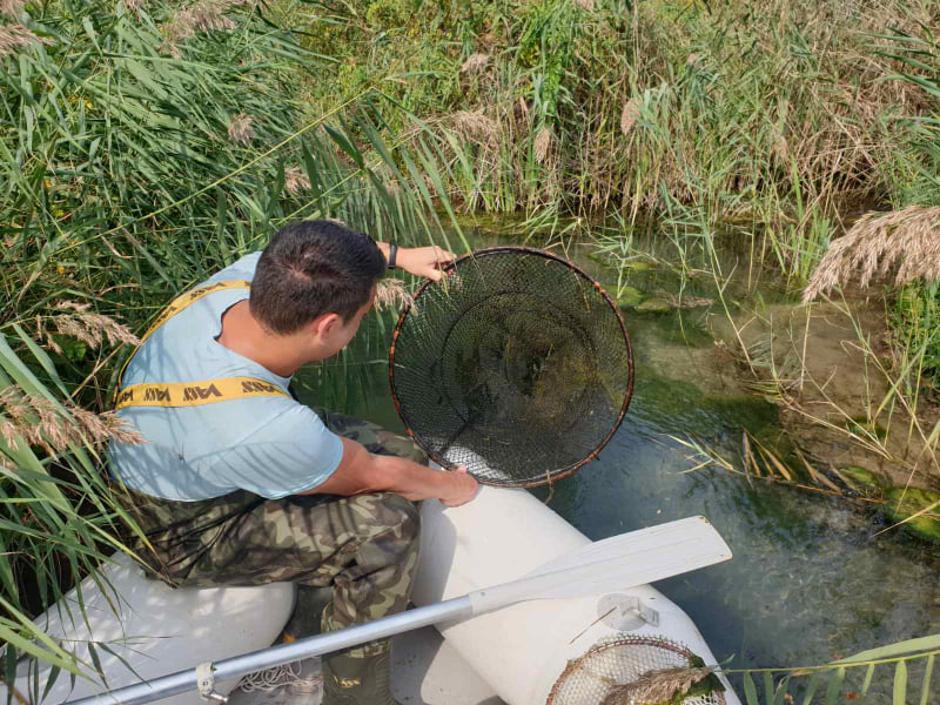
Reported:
(392, 254)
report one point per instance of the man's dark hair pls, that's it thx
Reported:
(313, 267)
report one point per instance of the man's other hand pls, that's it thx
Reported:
(461, 488)
(424, 261)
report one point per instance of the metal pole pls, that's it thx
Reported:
(237, 666)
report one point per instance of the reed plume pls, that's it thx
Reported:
(476, 124)
(37, 421)
(391, 294)
(629, 115)
(542, 144)
(12, 8)
(135, 6)
(240, 130)
(908, 239)
(78, 321)
(202, 16)
(16, 36)
(296, 180)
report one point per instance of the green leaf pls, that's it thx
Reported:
(814, 680)
(750, 690)
(834, 689)
(869, 674)
(768, 687)
(901, 648)
(899, 694)
(928, 672)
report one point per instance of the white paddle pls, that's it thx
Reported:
(617, 563)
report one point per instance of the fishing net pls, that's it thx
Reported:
(516, 365)
(637, 670)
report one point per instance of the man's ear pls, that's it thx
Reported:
(324, 325)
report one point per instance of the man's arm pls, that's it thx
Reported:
(420, 261)
(360, 472)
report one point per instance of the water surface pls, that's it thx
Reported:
(809, 581)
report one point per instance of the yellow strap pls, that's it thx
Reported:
(172, 394)
(209, 391)
(177, 305)
(190, 297)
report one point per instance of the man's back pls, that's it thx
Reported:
(270, 446)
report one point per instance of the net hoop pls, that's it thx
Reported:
(553, 474)
(571, 676)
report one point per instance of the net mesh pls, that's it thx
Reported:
(625, 670)
(516, 365)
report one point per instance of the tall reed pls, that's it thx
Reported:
(143, 146)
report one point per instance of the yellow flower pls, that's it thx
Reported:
(60, 269)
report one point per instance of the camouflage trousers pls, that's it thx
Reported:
(364, 547)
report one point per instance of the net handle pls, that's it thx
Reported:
(551, 476)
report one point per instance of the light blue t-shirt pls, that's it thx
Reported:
(271, 446)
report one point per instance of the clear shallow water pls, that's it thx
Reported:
(809, 583)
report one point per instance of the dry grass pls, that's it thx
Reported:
(654, 687)
(16, 36)
(240, 130)
(37, 421)
(908, 240)
(475, 63)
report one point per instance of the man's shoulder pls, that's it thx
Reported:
(243, 268)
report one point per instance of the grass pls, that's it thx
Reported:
(774, 114)
(129, 170)
(142, 148)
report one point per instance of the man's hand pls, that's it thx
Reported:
(461, 488)
(360, 471)
(424, 261)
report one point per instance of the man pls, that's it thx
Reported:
(240, 484)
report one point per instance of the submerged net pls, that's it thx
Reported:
(637, 670)
(516, 365)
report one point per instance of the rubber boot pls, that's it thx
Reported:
(348, 680)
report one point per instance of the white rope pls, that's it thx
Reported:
(273, 678)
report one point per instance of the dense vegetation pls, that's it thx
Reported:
(144, 143)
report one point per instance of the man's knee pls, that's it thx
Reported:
(392, 512)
